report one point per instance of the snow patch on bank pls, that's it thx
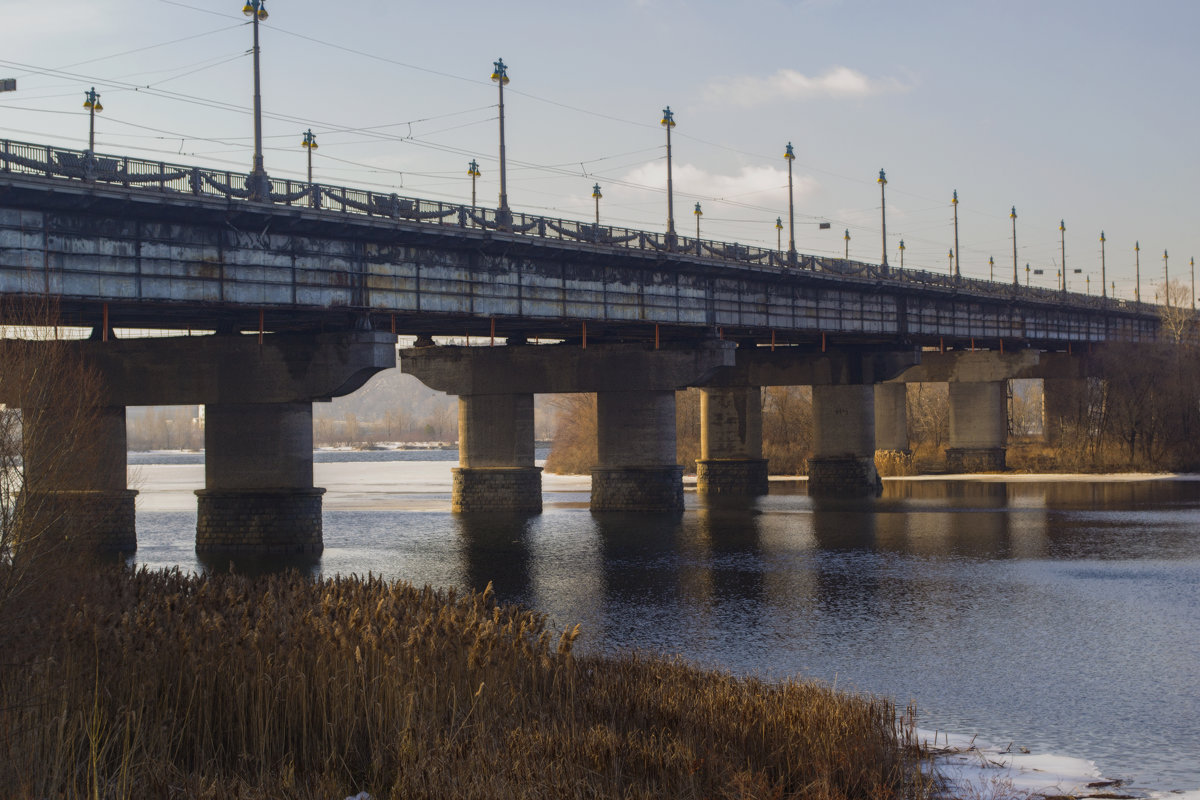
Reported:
(978, 770)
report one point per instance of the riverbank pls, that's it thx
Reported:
(165, 684)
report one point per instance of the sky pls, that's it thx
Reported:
(1071, 111)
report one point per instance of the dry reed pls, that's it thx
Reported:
(894, 463)
(122, 683)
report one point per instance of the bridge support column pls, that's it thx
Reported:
(495, 451)
(259, 497)
(731, 463)
(891, 417)
(978, 426)
(843, 462)
(636, 451)
(75, 484)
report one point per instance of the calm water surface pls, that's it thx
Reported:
(1063, 616)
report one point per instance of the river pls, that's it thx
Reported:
(1062, 615)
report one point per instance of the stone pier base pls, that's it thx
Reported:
(259, 521)
(975, 459)
(89, 520)
(843, 477)
(657, 488)
(497, 489)
(731, 477)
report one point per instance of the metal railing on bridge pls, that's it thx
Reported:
(56, 162)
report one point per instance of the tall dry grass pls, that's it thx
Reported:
(893, 463)
(138, 684)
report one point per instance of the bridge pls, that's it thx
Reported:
(301, 297)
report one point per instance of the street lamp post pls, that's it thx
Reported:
(883, 216)
(1166, 281)
(698, 214)
(901, 254)
(500, 76)
(954, 202)
(951, 254)
(473, 171)
(309, 144)
(1062, 240)
(1137, 265)
(92, 104)
(257, 184)
(991, 269)
(847, 238)
(1016, 281)
(668, 122)
(790, 156)
(1103, 271)
(596, 196)
(779, 234)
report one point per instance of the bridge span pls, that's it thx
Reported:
(323, 278)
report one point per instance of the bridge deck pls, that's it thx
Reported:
(174, 246)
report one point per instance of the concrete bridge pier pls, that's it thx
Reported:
(891, 417)
(978, 426)
(259, 496)
(496, 469)
(635, 445)
(843, 462)
(75, 482)
(635, 408)
(731, 463)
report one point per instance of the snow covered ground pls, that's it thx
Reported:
(978, 770)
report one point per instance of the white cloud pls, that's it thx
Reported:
(750, 185)
(788, 84)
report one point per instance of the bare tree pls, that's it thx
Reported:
(48, 447)
(787, 428)
(687, 428)
(1177, 315)
(928, 415)
(574, 450)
